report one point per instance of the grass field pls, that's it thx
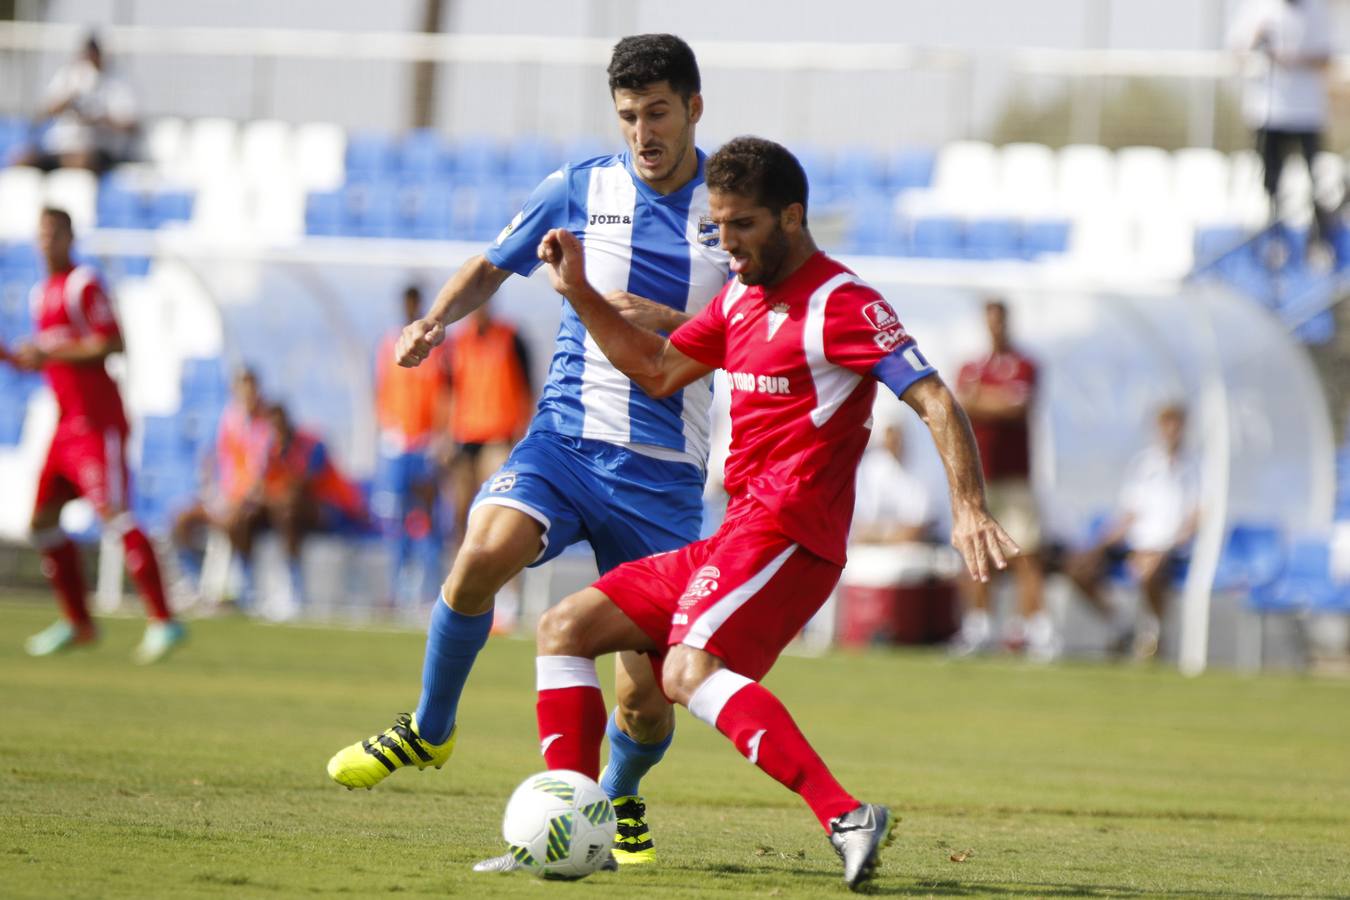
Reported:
(204, 777)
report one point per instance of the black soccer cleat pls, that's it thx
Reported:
(858, 838)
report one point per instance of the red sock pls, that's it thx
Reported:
(763, 731)
(571, 713)
(61, 565)
(144, 569)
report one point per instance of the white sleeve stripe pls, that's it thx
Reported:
(79, 278)
(833, 384)
(714, 693)
(556, 672)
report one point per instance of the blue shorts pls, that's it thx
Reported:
(396, 475)
(625, 504)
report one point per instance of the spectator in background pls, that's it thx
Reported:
(301, 492)
(892, 505)
(410, 407)
(997, 393)
(90, 116)
(1156, 519)
(1285, 103)
(233, 476)
(489, 370)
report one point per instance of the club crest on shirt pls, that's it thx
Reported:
(502, 482)
(778, 314)
(880, 315)
(708, 234)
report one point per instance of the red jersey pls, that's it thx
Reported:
(69, 306)
(802, 359)
(1004, 443)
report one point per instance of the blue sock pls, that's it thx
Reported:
(453, 642)
(629, 761)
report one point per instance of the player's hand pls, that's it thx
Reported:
(29, 357)
(642, 312)
(982, 543)
(567, 266)
(417, 341)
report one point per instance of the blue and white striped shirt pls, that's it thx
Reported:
(660, 246)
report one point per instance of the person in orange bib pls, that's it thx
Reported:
(489, 371)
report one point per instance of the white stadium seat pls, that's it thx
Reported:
(1026, 179)
(1247, 204)
(278, 212)
(21, 196)
(265, 149)
(320, 156)
(1085, 177)
(1295, 192)
(75, 191)
(165, 143)
(1329, 178)
(211, 149)
(1143, 178)
(965, 177)
(1200, 178)
(1164, 244)
(221, 209)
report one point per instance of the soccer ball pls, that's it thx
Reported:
(559, 824)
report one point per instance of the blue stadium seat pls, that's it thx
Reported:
(583, 148)
(162, 440)
(1317, 331)
(1044, 236)
(170, 206)
(120, 206)
(819, 167)
(476, 159)
(871, 226)
(1305, 582)
(911, 167)
(425, 156)
(371, 156)
(425, 212)
(370, 209)
(1252, 557)
(11, 422)
(859, 171)
(324, 213)
(939, 237)
(532, 157)
(993, 239)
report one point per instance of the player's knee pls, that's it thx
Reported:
(562, 631)
(679, 679)
(646, 720)
(479, 572)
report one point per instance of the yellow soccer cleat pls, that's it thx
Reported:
(632, 838)
(367, 763)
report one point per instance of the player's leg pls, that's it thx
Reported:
(521, 516)
(1150, 568)
(61, 565)
(295, 518)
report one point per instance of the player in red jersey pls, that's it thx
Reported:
(75, 332)
(804, 342)
(997, 392)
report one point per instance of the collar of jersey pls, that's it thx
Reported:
(785, 290)
(647, 191)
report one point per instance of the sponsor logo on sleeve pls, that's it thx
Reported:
(502, 482)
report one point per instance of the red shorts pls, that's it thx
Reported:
(85, 461)
(741, 594)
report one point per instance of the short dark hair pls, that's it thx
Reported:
(61, 216)
(759, 169)
(640, 60)
(997, 303)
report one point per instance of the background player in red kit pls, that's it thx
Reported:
(75, 332)
(804, 343)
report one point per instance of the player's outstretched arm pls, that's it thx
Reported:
(81, 351)
(644, 356)
(463, 292)
(981, 541)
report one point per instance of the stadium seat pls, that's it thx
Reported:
(580, 149)
(1044, 236)
(1085, 176)
(425, 212)
(993, 238)
(1200, 177)
(371, 209)
(1164, 242)
(319, 149)
(21, 195)
(965, 178)
(476, 158)
(424, 156)
(371, 156)
(171, 206)
(13, 137)
(278, 212)
(211, 149)
(1252, 557)
(265, 151)
(911, 168)
(1026, 179)
(120, 207)
(860, 172)
(941, 237)
(165, 143)
(1143, 179)
(1317, 331)
(532, 157)
(75, 191)
(324, 213)
(1329, 175)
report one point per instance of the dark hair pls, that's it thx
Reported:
(61, 216)
(996, 303)
(640, 60)
(759, 169)
(412, 290)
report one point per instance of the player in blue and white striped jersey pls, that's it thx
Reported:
(602, 462)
